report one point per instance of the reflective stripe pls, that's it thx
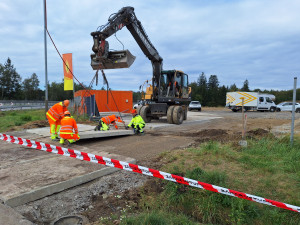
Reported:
(54, 113)
(51, 117)
(66, 132)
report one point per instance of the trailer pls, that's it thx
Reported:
(252, 101)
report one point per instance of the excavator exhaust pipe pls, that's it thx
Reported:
(114, 60)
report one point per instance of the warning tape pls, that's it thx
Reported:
(143, 170)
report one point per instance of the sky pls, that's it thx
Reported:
(257, 40)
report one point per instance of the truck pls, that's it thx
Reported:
(252, 101)
(169, 93)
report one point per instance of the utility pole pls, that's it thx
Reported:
(45, 48)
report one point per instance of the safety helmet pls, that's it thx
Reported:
(67, 113)
(66, 103)
(133, 111)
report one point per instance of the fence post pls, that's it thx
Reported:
(293, 111)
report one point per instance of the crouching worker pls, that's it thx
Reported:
(105, 121)
(137, 123)
(68, 130)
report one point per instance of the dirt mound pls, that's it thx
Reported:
(36, 124)
(258, 132)
(210, 133)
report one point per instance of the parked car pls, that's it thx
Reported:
(288, 106)
(195, 105)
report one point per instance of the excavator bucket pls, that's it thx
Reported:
(114, 60)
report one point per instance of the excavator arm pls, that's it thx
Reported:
(104, 59)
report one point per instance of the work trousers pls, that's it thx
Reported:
(102, 126)
(70, 137)
(54, 128)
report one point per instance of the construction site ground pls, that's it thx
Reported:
(24, 171)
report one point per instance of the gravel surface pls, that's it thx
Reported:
(79, 199)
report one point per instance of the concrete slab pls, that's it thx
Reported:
(85, 132)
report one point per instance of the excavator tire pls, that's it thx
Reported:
(146, 114)
(178, 115)
(185, 110)
(170, 114)
(138, 110)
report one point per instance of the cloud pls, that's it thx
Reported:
(236, 40)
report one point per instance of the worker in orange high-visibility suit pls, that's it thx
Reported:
(105, 121)
(54, 116)
(69, 129)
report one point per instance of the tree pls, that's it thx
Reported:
(245, 86)
(30, 87)
(213, 85)
(202, 83)
(233, 88)
(10, 81)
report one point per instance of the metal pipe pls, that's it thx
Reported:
(293, 111)
(45, 49)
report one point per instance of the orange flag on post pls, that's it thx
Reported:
(68, 72)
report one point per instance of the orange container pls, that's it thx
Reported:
(121, 101)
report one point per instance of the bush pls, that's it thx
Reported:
(26, 118)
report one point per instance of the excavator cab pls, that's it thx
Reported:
(173, 84)
(105, 59)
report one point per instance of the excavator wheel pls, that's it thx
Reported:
(185, 110)
(170, 114)
(146, 113)
(138, 110)
(178, 115)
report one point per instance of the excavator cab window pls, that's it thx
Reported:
(163, 85)
(169, 82)
(178, 84)
(184, 86)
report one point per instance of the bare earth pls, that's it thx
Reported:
(97, 198)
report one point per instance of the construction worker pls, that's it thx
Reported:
(68, 129)
(105, 121)
(54, 116)
(137, 123)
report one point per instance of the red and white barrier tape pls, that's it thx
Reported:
(143, 170)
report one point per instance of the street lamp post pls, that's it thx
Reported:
(45, 48)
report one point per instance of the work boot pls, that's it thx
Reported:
(142, 133)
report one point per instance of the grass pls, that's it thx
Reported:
(9, 119)
(16, 119)
(267, 168)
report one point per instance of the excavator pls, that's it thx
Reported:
(169, 93)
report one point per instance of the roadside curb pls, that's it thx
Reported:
(9, 216)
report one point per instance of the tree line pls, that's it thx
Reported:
(12, 86)
(208, 92)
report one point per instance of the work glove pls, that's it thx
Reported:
(126, 127)
(78, 136)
